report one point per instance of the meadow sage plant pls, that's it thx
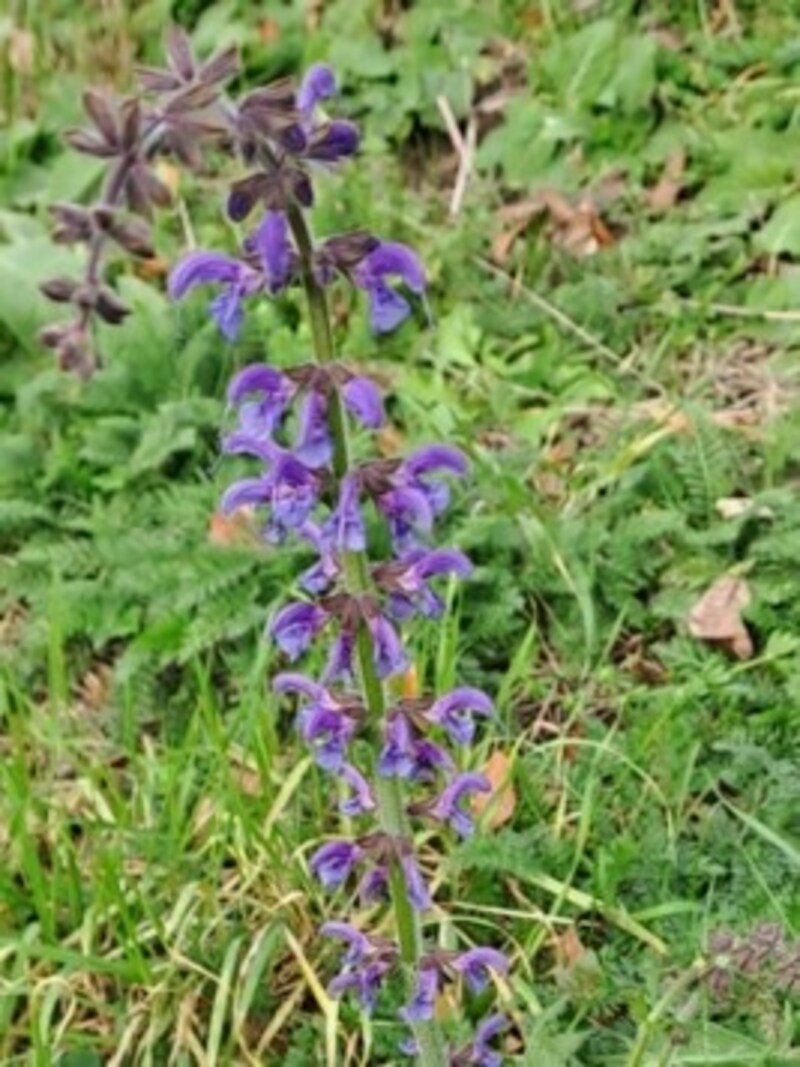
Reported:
(392, 757)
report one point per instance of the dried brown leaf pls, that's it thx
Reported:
(501, 803)
(663, 196)
(717, 616)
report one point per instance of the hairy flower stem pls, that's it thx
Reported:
(388, 791)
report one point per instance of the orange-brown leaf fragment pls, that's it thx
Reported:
(717, 616)
(664, 194)
(501, 803)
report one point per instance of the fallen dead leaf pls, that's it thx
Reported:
(664, 194)
(717, 616)
(578, 228)
(568, 947)
(236, 529)
(502, 801)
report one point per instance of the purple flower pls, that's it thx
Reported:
(271, 242)
(455, 710)
(358, 944)
(363, 400)
(477, 964)
(390, 656)
(323, 723)
(313, 445)
(428, 759)
(423, 1002)
(397, 756)
(289, 488)
(417, 891)
(325, 571)
(388, 309)
(361, 799)
(415, 499)
(478, 1053)
(333, 862)
(333, 141)
(409, 588)
(319, 83)
(345, 527)
(274, 391)
(327, 731)
(374, 886)
(204, 268)
(340, 658)
(365, 980)
(447, 805)
(433, 459)
(295, 627)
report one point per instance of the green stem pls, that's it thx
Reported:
(391, 807)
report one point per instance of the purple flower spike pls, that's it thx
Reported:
(397, 757)
(271, 242)
(345, 528)
(362, 799)
(390, 656)
(477, 965)
(358, 944)
(319, 83)
(333, 862)
(418, 893)
(423, 1003)
(388, 309)
(454, 711)
(296, 626)
(447, 805)
(363, 400)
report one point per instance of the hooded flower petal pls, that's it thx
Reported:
(296, 626)
(388, 309)
(455, 710)
(390, 656)
(397, 756)
(358, 944)
(340, 658)
(313, 445)
(319, 83)
(333, 862)
(418, 893)
(478, 1053)
(327, 730)
(477, 965)
(447, 805)
(374, 886)
(291, 682)
(361, 799)
(333, 141)
(203, 268)
(226, 311)
(423, 1003)
(258, 378)
(364, 402)
(345, 530)
(246, 492)
(271, 241)
(324, 572)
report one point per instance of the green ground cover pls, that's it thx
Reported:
(616, 325)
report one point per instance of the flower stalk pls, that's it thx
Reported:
(391, 803)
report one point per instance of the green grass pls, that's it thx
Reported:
(156, 809)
